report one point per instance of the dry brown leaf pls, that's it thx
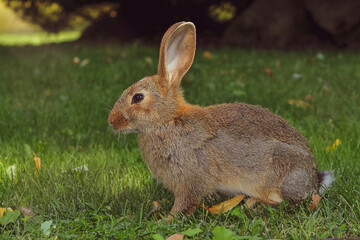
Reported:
(76, 60)
(156, 206)
(315, 201)
(26, 212)
(299, 103)
(84, 62)
(326, 89)
(176, 236)
(207, 54)
(225, 206)
(268, 71)
(309, 98)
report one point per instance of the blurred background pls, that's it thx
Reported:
(280, 24)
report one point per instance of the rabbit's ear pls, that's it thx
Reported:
(177, 52)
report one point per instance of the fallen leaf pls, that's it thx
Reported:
(315, 201)
(148, 60)
(299, 103)
(156, 206)
(268, 71)
(3, 210)
(84, 62)
(176, 236)
(226, 205)
(207, 54)
(76, 60)
(37, 165)
(309, 98)
(26, 212)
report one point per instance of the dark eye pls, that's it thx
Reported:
(137, 98)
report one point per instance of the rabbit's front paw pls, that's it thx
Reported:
(185, 202)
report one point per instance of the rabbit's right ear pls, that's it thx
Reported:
(177, 52)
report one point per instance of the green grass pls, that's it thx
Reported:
(38, 38)
(59, 110)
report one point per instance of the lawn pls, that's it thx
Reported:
(93, 184)
(37, 38)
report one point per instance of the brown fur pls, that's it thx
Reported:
(231, 148)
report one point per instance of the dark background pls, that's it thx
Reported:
(280, 24)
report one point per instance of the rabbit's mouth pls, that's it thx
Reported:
(119, 123)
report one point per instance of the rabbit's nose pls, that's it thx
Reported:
(112, 117)
(117, 120)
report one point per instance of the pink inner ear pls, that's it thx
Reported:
(174, 55)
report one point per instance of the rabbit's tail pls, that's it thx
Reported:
(325, 180)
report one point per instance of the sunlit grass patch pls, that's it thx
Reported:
(37, 38)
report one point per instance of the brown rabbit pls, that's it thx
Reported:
(230, 148)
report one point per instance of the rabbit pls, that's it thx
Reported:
(195, 151)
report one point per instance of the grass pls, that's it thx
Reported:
(37, 38)
(58, 110)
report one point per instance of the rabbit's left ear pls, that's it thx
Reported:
(177, 52)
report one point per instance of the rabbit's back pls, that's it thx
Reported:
(246, 122)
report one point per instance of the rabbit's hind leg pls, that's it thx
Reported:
(272, 197)
(251, 202)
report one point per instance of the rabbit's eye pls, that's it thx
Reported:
(137, 98)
